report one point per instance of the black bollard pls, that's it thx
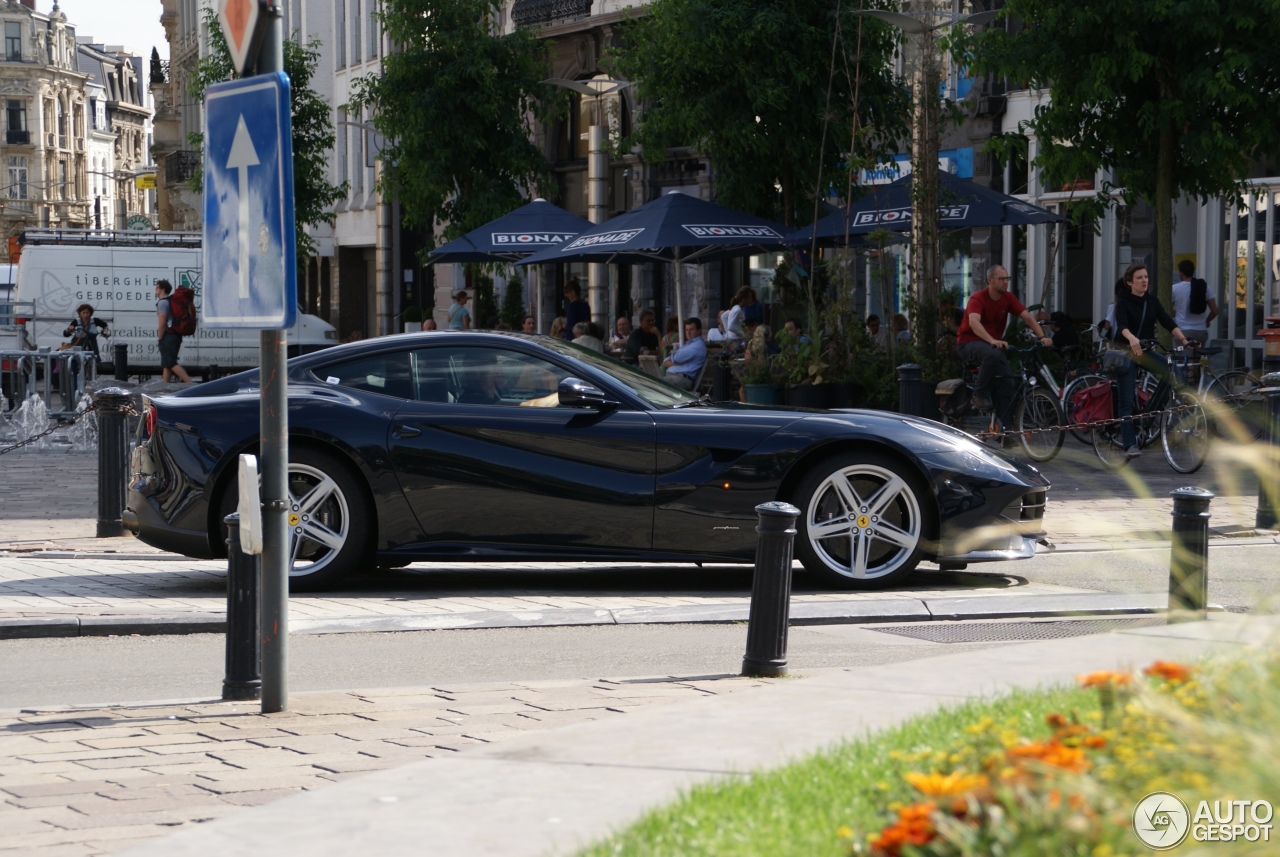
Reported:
(771, 591)
(721, 381)
(120, 361)
(244, 658)
(910, 401)
(1189, 556)
(113, 450)
(1269, 472)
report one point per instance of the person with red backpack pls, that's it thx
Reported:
(174, 315)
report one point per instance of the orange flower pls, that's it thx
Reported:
(1104, 678)
(1169, 671)
(1052, 753)
(1095, 742)
(913, 827)
(1056, 720)
(945, 785)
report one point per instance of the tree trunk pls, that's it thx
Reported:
(926, 276)
(1162, 268)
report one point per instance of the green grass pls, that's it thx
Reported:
(797, 809)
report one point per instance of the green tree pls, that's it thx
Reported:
(486, 306)
(1171, 98)
(513, 310)
(454, 103)
(788, 94)
(312, 126)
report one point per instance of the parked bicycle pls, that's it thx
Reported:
(1235, 407)
(1174, 416)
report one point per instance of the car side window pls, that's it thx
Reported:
(485, 376)
(386, 373)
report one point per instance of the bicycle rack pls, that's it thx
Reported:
(58, 377)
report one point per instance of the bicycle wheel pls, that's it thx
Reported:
(1076, 384)
(1108, 446)
(1040, 420)
(1184, 432)
(1235, 407)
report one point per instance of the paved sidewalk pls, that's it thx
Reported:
(501, 769)
(82, 782)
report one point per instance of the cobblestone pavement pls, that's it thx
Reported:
(87, 782)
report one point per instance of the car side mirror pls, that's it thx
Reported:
(576, 393)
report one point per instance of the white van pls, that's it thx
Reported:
(116, 272)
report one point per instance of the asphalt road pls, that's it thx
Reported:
(87, 670)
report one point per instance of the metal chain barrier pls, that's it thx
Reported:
(1090, 426)
(63, 423)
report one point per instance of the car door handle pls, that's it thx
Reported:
(402, 431)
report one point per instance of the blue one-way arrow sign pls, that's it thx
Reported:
(250, 268)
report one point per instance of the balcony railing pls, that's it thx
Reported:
(17, 138)
(526, 13)
(180, 166)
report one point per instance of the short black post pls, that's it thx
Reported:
(120, 361)
(910, 401)
(771, 591)
(1269, 472)
(721, 381)
(244, 658)
(1189, 556)
(110, 405)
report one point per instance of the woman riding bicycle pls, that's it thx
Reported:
(1136, 315)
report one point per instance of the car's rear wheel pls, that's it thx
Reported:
(864, 520)
(328, 520)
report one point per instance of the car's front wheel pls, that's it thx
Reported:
(327, 519)
(864, 520)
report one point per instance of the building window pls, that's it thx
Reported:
(372, 27)
(356, 45)
(13, 41)
(62, 179)
(340, 33)
(16, 115)
(17, 177)
(16, 133)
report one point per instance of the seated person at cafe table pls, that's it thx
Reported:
(685, 363)
(643, 340)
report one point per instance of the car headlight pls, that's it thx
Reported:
(977, 457)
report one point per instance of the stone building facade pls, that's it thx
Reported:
(45, 180)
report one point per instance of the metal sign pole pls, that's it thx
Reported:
(274, 419)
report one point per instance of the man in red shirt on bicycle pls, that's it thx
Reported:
(981, 341)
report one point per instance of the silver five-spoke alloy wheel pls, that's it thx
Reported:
(319, 520)
(863, 523)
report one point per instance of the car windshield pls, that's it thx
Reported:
(653, 390)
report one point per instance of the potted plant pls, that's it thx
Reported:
(411, 318)
(761, 379)
(802, 365)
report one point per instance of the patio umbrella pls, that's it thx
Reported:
(962, 204)
(510, 238)
(513, 236)
(675, 228)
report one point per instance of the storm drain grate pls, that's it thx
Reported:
(990, 632)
